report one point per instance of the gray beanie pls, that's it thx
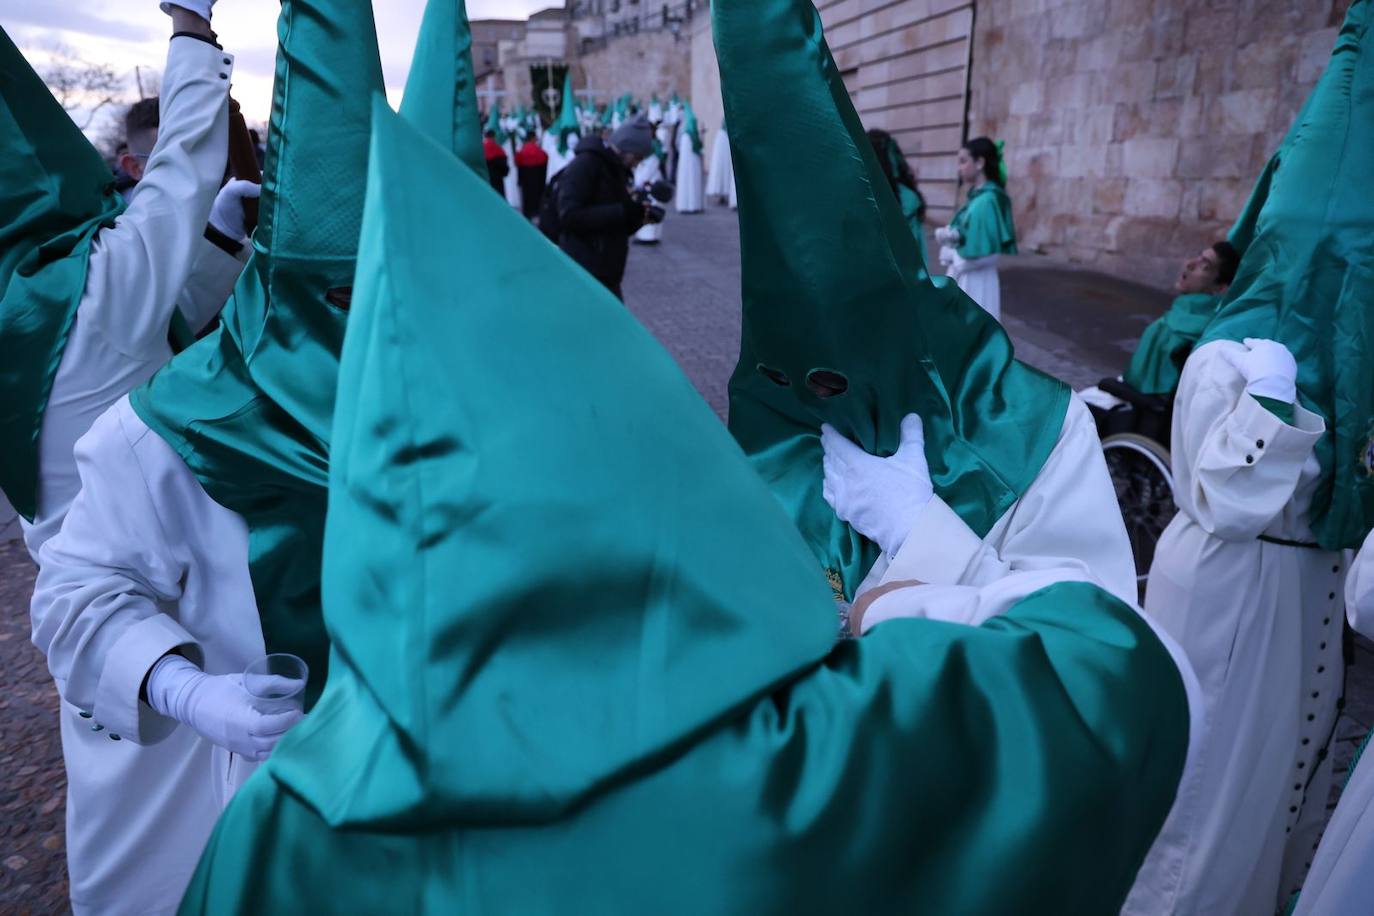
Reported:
(635, 137)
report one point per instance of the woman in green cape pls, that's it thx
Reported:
(982, 229)
(903, 182)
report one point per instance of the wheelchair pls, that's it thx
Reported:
(1135, 442)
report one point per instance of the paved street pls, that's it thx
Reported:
(1075, 324)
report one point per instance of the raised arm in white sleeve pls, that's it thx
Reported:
(1236, 465)
(140, 266)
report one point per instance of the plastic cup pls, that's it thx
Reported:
(277, 682)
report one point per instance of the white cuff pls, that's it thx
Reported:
(938, 550)
(117, 704)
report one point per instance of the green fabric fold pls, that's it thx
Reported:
(1307, 276)
(1164, 347)
(985, 224)
(834, 285)
(583, 661)
(441, 90)
(56, 193)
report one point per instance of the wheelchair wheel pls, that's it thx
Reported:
(1144, 481)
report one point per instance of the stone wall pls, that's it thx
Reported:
(1135, 128)
(643, 64)
(905, 63)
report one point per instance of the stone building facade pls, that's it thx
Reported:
(1135, 129)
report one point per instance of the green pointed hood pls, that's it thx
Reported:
(250, 407)
(441, 91)
(55, 194)
(1307, 277)
(567, 125)
(493, 124)
(574, 491)
(833, 283)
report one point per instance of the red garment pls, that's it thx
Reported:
(492, 150)
(531, 155)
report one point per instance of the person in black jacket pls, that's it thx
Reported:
(596, 213)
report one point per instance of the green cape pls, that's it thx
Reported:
(583, 662)
(1307, 277)
(1164, 347)
(249, 409)
(833, 281)
(984, 222)
(55, 194)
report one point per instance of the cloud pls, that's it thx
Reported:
(70, 17)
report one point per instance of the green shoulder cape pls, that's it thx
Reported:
(1164, 347)
(55, 194)
(985, 223)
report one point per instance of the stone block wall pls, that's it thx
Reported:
(1135, 129)
(643, 64)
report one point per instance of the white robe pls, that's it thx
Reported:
(720, 176)
(1342, 875)
(512, 180)
(155, 258)
(1261, 623)
(558, 161)
(646, 173)
(978, 277)
(1067, 522)
(689, 198)
(145, 563)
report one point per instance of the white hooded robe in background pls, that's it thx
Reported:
(1260, 619)
(1342, 875)
(689, 197)
(721, 175)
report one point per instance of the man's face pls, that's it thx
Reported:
(135, 160)
(1200, 274)
(630, 159)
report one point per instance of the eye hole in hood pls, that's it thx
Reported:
(776, 376)
(826, 383)
(341, 297)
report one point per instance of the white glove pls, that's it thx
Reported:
(947, 255)
(947, 235)
(956, 268)
(1270, 370)
(217, 707)
(200, 7)
(227, 213)
(880, 497)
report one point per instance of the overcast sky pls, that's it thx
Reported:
(132, 33)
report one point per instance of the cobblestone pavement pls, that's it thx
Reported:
(1075, 324)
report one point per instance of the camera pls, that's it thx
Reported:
(651, 195)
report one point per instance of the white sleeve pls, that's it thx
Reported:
(1359, 590)
(103, 581)
(1067, 520)
(139, 266)
(1236, 465)
(212, 279)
